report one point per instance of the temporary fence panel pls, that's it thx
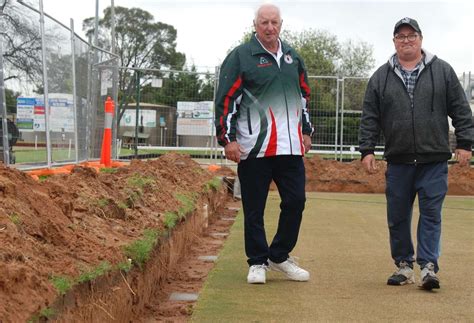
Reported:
(82, 76)
(174, 109)
(323, 110)
(160, 109)
(75, 103)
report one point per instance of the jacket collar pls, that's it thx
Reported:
(428, 58)
(257, 49)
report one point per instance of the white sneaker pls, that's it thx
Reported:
(290, 269)
(257, 274)
(403, 276)
(429, 280)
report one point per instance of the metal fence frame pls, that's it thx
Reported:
(91, 105)
(333, 105)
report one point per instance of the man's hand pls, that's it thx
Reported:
(233, 151)
(369, 163)
(463, 156)
(306, 143)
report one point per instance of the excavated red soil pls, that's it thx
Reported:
(333, 176)
(70, 224)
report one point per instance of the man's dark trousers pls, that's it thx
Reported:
(255, 175)
(403, 182)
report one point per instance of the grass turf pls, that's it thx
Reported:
(344, 244)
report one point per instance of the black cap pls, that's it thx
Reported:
(407, 21)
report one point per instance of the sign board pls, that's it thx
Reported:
(195, 118)
(146, 118)
(31, 113)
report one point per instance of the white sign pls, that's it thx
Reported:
(195, 118)
(156, 82)
(31, 113)
(195, 110)
(105, 81)
(146, 118)
(194, 127)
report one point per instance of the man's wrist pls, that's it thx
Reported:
(365, 153)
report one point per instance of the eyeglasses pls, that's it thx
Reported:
(402, 38)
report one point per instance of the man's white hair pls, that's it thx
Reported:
(266, 5)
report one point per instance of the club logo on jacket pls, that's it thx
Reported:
(264, 62)
(288, 59)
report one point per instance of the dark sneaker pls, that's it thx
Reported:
(429, 280)
(404, 275)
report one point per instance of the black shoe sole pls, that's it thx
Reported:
(398, 281)
(430, 284)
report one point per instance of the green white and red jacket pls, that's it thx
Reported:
(263, 106)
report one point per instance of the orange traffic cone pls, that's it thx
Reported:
(106, 153)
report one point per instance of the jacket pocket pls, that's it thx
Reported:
(399, 139)
(432, 135)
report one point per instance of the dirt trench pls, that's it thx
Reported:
(75, 228)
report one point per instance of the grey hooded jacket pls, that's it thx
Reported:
(417, 133)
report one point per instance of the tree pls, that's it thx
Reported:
(140, 43)
(357, 59)
(10, 98)
(186, 85)
(22, 43)
(319, 50)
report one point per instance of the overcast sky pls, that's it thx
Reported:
(207, 29)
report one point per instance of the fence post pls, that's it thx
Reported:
(214, 144)
(74, 91)
(137, 110)
(105, 156)
(45, 86)
(3, 108)
(342, 118)
(336, 130)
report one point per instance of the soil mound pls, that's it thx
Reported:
(69, 225)
(333, 176)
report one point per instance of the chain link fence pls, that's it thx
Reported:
(53, 86)
(52, 90)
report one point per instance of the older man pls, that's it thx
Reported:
(410, 98)
(263, 123)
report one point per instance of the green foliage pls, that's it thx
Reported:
(319, 50)
(108, 170)
(95, 272)
(45, 314)
(139, 181)
(213, 184)
(323, 54)
(187, 204)
(42, 178)
(139, 251)
(62, 283)
(16, 219)
(170, 220)
(357, 59)
(10, 98)
(141, 42)
(102, 202)
(125, 266)
(122, 205)
(180, 87)
(133, 197)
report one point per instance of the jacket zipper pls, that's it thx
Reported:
(413, 108)
(249, 124)
(287, 113)
(412, 104)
